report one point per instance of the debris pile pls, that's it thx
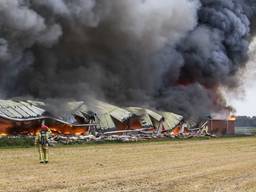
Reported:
(127, 136)
(80, 122)
(181, 131)
(60, 139)
(63, 139)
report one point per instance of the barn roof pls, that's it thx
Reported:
(19, 110)
(147, 116)
(171, 120)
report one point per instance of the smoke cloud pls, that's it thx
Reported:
(171, 55)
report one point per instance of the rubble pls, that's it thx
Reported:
(127, 136)
(63, 139)
(137, 135)
(96, 121)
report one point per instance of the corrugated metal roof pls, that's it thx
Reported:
(36, 110)
(100, 107)
(76, 108)
(154, 115)
(144, 117)
(105, 121)
(105, 112)
(120, 114)
(138, 111)
(19, 109)
(171, 120)
(146, 121)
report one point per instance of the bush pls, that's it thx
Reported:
(16, 141)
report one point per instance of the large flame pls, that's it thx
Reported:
(32, 128)
(232, 118)
(69, 130)
(5, 127)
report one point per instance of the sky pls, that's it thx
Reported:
(244, 99)
(246, 104)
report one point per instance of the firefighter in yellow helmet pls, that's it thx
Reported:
(42, 141)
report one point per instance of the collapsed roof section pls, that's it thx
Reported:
(19, 110)
(103, 115)
(150, 118)
(106, 115)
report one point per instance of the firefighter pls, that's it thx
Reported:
(42, 141)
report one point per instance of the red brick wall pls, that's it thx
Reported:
(221, 127)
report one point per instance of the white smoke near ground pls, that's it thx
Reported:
(168, 54)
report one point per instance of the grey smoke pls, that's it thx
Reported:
(170, 55)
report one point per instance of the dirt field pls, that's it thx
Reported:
(216, 165)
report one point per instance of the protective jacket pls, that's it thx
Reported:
(42, 140)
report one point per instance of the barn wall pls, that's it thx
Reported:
(221, 127)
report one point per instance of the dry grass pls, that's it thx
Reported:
(217, 165)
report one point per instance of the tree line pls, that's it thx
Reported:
(246, 121)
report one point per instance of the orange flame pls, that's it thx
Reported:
(3, 134)
(232, 118)
(9, 128)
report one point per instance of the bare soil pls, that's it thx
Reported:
(215, 165)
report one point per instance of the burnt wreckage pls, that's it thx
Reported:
(19, 117)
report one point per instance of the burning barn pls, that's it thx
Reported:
(25, 118)
(222, 123)
(159, 120)
(114, 50)
(19, 117)
(79, 118)
(108, 117)
(222, 126)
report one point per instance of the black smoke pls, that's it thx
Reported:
(172, 55)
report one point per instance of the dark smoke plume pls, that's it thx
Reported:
(167, 54)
